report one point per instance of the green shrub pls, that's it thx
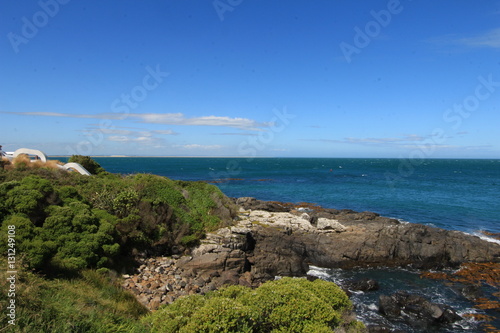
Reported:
(70, 238)
(28, 196)
(88, 163)
(68, 193)
(221, 315)
(285, 305)
(175, 316)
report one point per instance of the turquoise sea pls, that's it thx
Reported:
(456, 194)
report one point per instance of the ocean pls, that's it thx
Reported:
(454, 194)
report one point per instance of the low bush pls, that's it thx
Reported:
(286, 305)
(88, 163)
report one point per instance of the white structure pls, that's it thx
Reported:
(75, 166)
(31, 152)
(40, 156)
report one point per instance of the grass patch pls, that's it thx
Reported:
(92, 302)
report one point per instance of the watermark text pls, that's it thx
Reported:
(11, 274)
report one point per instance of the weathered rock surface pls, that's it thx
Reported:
(283, 240)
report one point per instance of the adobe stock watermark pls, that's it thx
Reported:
(120, 108)
(363, 36)
(255, 144)
(11, 274)
(31, 26)
(223, 6)
(454, 116)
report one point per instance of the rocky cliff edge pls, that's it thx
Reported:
(276, 239)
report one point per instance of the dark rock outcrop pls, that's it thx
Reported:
(363, 285)
(254, 204)
(419, 312)
(371, 240)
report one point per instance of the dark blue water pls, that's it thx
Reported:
(453, 194)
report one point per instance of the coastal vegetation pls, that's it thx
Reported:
(286, 305)
(75, 235)
(67, 222)
(89, 302)
(95, 302)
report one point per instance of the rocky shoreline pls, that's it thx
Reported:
(272, 239)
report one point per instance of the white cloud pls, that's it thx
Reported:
(408, 141)
(127, 132)
(68, 115)
(238, 134)
(119, 138)
(113, 131)
(180, 119)
(164, 132)
(490, 38)
(130, 135)
(377, 141)
(161, 118)
(144, 139)
(198, 146)
(129, 139)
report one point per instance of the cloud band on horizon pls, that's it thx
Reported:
(161, 118)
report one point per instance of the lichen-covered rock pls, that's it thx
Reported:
(328, 224)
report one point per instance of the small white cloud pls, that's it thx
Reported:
(125, 134)
(198, 146)
(238, 134)
(118, 138)
(159, 118)
(112, 131)
(180, 119)
(164, 132)
(376, 141)
(143, 139)
(490, 38)
(67, 115)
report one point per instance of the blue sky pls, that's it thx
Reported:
(409, 79)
